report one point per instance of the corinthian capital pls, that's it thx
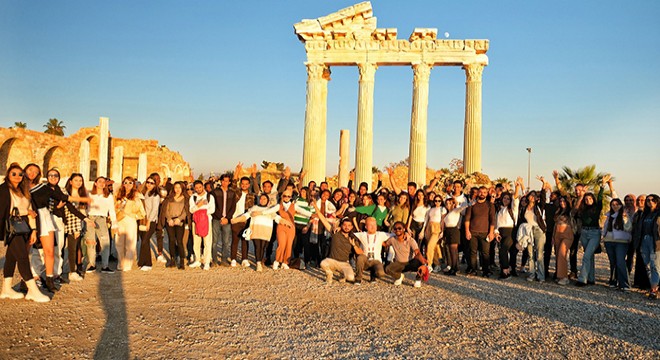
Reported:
(474, 72)
(421, 72)
(367, 71)
(317, 71)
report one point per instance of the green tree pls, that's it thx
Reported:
(19, 125)
(586, 175)
(54, 127)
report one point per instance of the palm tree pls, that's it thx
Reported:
(586, 176)
(54, 127)
(19, 125)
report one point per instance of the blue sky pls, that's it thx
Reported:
(224, 81)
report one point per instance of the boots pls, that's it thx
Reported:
(8, 292)
(34, 293)
(50, 284)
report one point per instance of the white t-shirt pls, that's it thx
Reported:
(372, 244)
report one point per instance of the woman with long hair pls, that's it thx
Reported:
(451, 225)
(562, 238)
(505, 221)
(261, 227)
(616, 234)
(173, 216)
(400, 211)
(101, 208)
(285, 231)
(15, 194)
(650, 244)
(589, 208)
(151, 197)
(432, 230)
(533, 228)
(73, 225)
(129, 209)
(41, 194)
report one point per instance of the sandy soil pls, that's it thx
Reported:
(239, 313)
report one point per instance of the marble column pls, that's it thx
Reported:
(118, 164)
(83, 167)
(364, 137)
(314, 147)
(344, 151)
(104, 138)
(142, 167)
(418, 121)
(472, 134)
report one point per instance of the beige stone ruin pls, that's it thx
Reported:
(349, 37)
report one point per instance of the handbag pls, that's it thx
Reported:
(16, 225)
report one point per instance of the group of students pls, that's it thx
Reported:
(384, 231)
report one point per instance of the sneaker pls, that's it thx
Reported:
(60, 280)
(161, 259)
(206, 267)
(504, 276)
(430, 267)
(531, 277)
(75, 277)
(91, 269)
(107, 270)
(145, 268)
(580, 284)
(233, 263)
(285, 267)
(259, 267)
(563, 281)
(245, 263)
(195, 264)
(357, 282)
(572, 276)
(276, 265)
(612, 284)
(653, 295)
(302, 265)
(418, 283)
(625, 289)
(399, 281)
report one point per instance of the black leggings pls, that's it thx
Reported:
(73, 246)
(175, 238)
(144, 257)
(259, 248)
(17, 254)
(505, 246)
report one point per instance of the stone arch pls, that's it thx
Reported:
(54, 157)
(92, 157)
(165, 172)
(178, 173)
(14, 150)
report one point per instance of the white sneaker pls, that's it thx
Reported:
(195, 264)
(285, 266)
(161, 259)
(233, 263)
(259, 267)
(430, 267)
(302, 265)
(206, 267)
(418, 283)
(399, 281)
(563, 281)
(245, 263)
(145, 268)
(74, 276)
(276, 265)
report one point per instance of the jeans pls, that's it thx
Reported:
(99, 230)
(221, 235)
(590, 239)
(616, 252)
(536, 254)
(480, 239)
(651, 260)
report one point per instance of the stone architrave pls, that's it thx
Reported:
(364, 137)
(314, 149)
(83, 167)
(104, 137)
(118, 164)
(472, 135)
(142, 167)
(420, 103)
(344, 153)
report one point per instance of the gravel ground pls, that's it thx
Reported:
(238, 313)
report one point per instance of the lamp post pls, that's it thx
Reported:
(529, 167)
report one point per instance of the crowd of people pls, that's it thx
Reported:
(346, 233)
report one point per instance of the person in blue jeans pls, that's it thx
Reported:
(650, 245)
(616, 234)
(588, 209)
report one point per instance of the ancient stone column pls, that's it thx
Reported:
(344, 150)
(314, 147)
(142, 167)
(83, 167)
(364, 141)
(472, 135)
(118, 164)
(420, 104)
(104, 138)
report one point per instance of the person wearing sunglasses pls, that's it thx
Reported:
(285, 231)
(152, 200)
(101, 208)
(129, 209)
(14, 194)
(432, 230)
(407, 257)
(650, 244)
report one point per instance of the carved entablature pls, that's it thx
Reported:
(350, 35)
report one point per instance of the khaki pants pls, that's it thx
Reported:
(332, 265)
(432, 247)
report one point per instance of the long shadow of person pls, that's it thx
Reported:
(113, 343)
